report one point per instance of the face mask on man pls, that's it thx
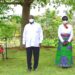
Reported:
(31, 21)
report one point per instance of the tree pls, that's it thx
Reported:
(26, 4)
(25, 15)
(26, 11)
(6, 32)
(67, 2)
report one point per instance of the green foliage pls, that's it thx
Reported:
(50, 22)
(16, 21)
(44, 1)
(40, 2)
(50, 42)
(3, 8)
(6, 30)
(3, 12)
(15, 18)
(67, 2)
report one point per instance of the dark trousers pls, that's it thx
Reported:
(35, 52)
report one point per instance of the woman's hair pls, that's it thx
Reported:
(64, 18)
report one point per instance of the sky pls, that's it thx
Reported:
(61, 10)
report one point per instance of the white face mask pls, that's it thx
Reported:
(65, 22)
(31, 20)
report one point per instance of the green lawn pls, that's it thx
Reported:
(16, 64)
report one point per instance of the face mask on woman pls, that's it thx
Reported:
(65, 22)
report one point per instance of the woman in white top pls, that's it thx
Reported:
(65, 36)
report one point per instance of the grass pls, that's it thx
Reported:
(16, 64)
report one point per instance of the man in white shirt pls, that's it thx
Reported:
(32, 38)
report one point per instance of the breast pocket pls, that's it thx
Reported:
(36, 30)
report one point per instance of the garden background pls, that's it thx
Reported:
(11, 29)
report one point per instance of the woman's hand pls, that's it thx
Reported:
(65, 42)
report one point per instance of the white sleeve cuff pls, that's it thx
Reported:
(62, 41)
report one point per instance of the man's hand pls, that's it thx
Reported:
(23, 46)
(40, 44)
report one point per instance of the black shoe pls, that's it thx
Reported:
(29, 70)
(35, 69)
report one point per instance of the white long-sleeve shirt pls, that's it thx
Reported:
(32, 35)
(63, 30)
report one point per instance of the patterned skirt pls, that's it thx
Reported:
(64, 53)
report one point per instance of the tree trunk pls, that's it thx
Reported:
(25, 16)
